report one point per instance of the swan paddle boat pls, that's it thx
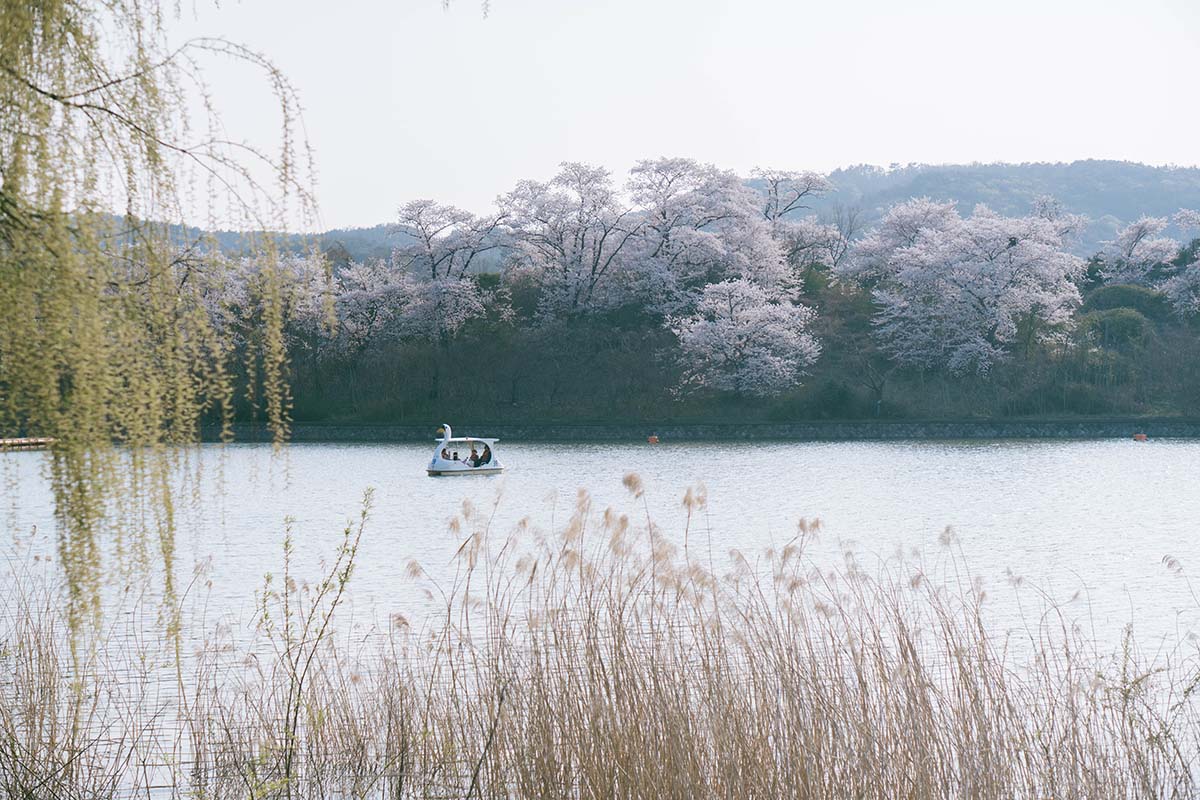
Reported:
(464, 455)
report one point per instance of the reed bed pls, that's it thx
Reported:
(602, 660)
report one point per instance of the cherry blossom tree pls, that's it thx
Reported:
(1183, 288)
(1138, 252)
(570, 235)
(878, 256)
(787, 191)
(1051, 209)
(699, 225)
(805, 241)
(957, 293)
(1188, 219)
(742, 339)
(428, 286)
(376, 302)
(810, 242)
(236, 291)
(437, 310)
(370, 299)
(443, 241)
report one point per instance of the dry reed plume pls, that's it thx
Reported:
(601, 661)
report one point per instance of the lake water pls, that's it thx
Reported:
(1093, 517)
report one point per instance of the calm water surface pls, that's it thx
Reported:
(1096, 518)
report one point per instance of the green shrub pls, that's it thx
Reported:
(1151, 304)
(830, 399)
(1116, 328)
(1084, 398)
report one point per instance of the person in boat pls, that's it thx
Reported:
(486, 457)
(473, 459)
(445, 454)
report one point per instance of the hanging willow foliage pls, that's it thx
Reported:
(109, 141)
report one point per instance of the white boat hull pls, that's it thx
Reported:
(488, 470)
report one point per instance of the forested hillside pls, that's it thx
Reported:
(684, 291)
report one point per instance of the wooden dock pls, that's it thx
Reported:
(26, 443)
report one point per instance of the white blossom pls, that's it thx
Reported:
(570, 235)
(699, 225)
(1188, 219)
(805, 241)
(438, 309)
(233, 290)
(879, 255)
(369, 301)
(444, 241)
(741, 339)
(787, 191)
(952, 292)
(1050, 209)
(1137, 251)
(809, 242)
(377, 302)
(1183, 289)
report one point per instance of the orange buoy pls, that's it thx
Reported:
(652, 438)
(1141, 437)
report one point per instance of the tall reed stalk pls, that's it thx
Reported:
(602, 661)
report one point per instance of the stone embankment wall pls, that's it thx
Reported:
(882, 430)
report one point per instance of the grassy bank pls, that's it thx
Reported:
(601, 661)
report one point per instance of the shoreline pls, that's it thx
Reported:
(815, 431)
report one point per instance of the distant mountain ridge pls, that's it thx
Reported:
(1110, 193)
(1123, 189)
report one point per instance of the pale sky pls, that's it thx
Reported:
(405, 100)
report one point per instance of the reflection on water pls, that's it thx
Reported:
(1096, 518)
